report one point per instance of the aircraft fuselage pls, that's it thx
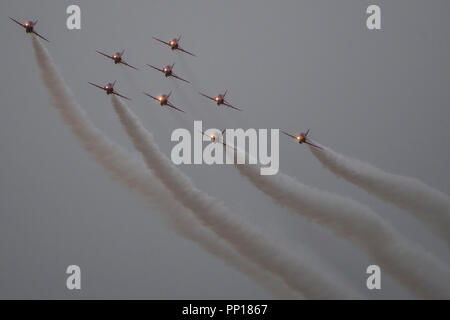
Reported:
(29, 27)
(301, 138)
(163, 101)
(173, 44)
(219, 100)
(117, 58)
(167, 71)
(109, 89)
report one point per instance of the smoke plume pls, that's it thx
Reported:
(135, 176)
(415, 268)
(298, 272)
(427, 204)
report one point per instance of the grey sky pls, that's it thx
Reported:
(380, 96)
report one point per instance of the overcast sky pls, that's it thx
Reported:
(379, 96)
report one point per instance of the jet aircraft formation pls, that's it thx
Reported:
(163, 99)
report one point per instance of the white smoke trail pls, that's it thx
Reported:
(427, 204)
(415, 268)
(299, 273)
(134, 175)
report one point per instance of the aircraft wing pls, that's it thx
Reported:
(172, 106)
(96, 85)
(104, 54)
(313, 145)
(175, 76)
(166, 43)
(226, 145)
(289, 135)
(20, 24)
(119, 95)
(160, 70)
(207, 96)
(151, 96)
(230, 106)
(126, 64)
(204, 133)
(40, 36)
(209, 136)
(182, 50)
